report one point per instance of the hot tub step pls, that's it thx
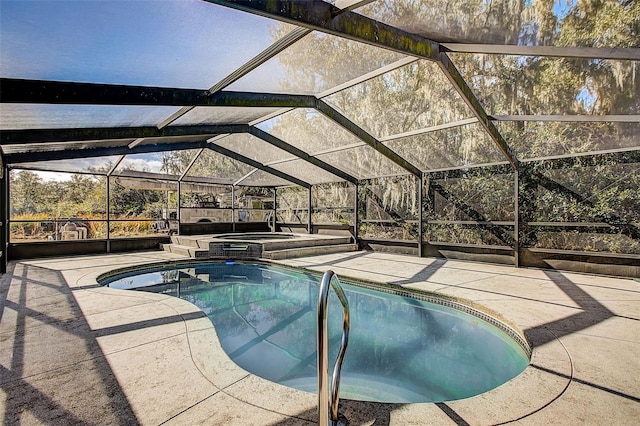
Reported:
(308, 251)
(186, 240)
(184, 250)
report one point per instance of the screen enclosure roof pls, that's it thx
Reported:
(311, 92)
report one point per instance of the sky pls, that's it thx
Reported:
(171, 43)
(174, 43)
(147, 162)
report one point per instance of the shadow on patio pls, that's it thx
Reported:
(52, 370)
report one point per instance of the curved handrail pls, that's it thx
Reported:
(326, 406)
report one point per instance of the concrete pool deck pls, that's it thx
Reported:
(72, 352)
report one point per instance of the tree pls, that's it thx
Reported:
(418, 95)
(27, 192)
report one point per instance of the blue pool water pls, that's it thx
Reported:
(401, 349)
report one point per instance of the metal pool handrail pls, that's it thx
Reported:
(327, 407)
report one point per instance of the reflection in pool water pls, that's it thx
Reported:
(401, 349)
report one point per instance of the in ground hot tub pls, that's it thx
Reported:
(272, 245)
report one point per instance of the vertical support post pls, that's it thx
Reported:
(361, 202)
(356, 215)
(428, 210)
(516, 218)
(4, 215)
(178, 205)
(526, 206)
(233, 208)
(420, 215)
(108, 213)
(108, 184)
(309, 224)
(275, 210)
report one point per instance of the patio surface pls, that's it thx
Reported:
(72, 352)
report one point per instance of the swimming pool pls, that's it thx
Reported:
(402, 349)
